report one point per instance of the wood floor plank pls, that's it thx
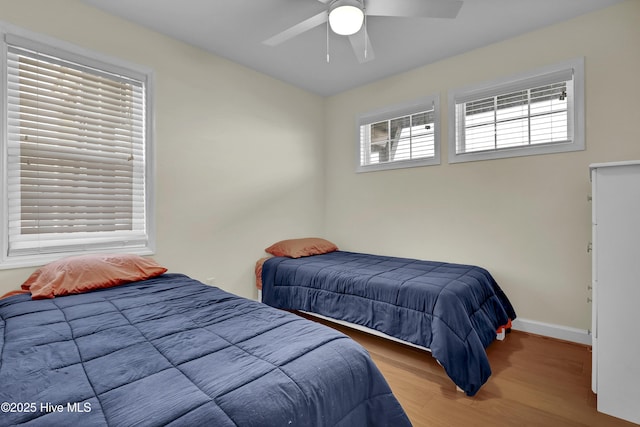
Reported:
(535, 381)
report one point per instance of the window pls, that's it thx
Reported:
(541, 112)
(77, 150)
(399, 137)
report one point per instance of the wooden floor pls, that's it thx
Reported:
(536, 381)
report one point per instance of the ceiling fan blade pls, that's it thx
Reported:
(297, 29)
(414, 8)
(361, 45)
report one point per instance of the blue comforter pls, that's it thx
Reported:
(172, 351)
(452, 309)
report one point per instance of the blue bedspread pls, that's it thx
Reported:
(173, 351)
(452, 309)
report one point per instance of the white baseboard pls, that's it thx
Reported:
(565, 333)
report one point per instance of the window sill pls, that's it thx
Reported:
(504, 153)
(398, 165)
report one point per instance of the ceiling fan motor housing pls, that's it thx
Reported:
(346, 16)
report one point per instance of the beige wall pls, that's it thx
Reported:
(238, 154)
(222, 195)
(525, 219)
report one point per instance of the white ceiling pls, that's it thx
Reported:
(235, 29)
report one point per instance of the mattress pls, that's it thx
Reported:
(452, 309)
(173, 351)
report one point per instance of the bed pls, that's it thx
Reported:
(169, 350)
(453, 310)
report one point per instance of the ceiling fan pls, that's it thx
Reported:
(348, 18)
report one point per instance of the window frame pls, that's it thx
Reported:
(13, 35)
(393, 112)
(527, 80)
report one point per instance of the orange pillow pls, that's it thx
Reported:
(296, 248)
(83, 273)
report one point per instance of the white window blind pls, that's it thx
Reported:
(399, 137)
(76, 166)
(531, 115)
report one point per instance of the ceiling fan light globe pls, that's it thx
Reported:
(345, 18)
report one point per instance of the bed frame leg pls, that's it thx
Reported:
(457, 387)
(503, 330)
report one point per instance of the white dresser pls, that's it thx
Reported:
(616, 288)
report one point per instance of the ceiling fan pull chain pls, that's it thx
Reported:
(365, 32)
(327, 40)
